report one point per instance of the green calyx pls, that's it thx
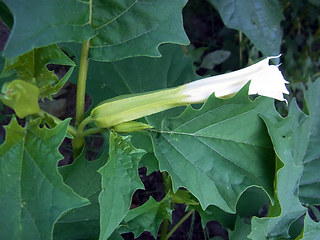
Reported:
(21, 96)
(130, 107)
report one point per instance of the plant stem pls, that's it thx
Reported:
(179, 223)
(81, 85)
(164, 229)
(83, 124)
(78, 141)
(165, 223)
(92, 131)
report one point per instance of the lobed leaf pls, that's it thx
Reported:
(32, 193)
(120, 179)
(290, 139)
(309, 185)
(241, 230)
(147, 217)
(83, 178)
(218, 151)
(118, 28)
(135, 27)
(32, 68)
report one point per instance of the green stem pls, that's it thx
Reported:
(78, 141)
(179, 223)
(164, 229)
(92, 131)
(83, 124)
(165, 223)
(82, 77)
(81, 85)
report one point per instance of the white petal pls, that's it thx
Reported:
(266, 80)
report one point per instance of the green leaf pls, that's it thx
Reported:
(120, 179)
(6, 15)
(83, 178)
(214, 58)
(119, 28)
(241, 230)
(32, 193)
(253, 202)
(128, 28)
(311, 229)
(213, 213)
(258, 20)
(143, 140)
(309, 189)
(40, 23)
(147, 217)
(290, 139)
(32, 68)
(218, 151)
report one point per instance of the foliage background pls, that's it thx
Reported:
(216, 47)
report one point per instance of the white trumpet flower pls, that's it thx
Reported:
(265, 79)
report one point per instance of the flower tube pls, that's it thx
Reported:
(266, 80)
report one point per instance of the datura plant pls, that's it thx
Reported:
(227, 156)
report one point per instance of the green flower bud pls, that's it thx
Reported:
(21, 96)
(131, 126)
(130, 107)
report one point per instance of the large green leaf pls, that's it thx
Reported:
(82, 176)
(32, 67)
(218, 151)
(40, 23)
(32, 193)
(120, 179)
(127, 28)
(309, 190)
(147, 217)
(290, 139)
(119, 28)
(258, 20)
